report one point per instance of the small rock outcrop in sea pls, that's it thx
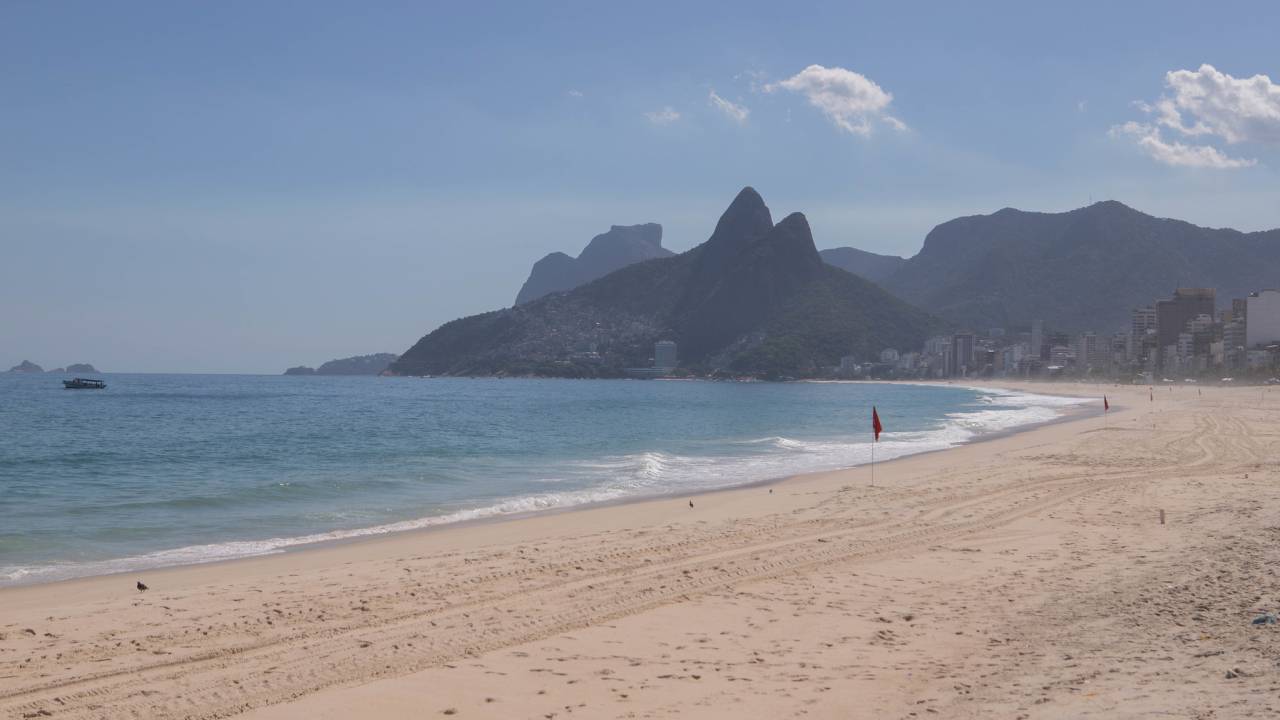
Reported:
(26, 366)
(623, 245)
(300, 370)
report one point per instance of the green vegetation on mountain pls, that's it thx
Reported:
(1078, 270)
(755, 298)
(864, 264)
(358, 365)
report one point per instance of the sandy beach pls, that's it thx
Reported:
(1028, 576)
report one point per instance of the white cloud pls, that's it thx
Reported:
(1208, 104)
(737, 113)
(665, 116)
(574, 93)
(1175, 153)
(849, 100)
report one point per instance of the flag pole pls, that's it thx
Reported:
(876, 427)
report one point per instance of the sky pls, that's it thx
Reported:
(247, 186)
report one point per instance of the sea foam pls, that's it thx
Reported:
(612, 478)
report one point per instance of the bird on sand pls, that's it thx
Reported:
(142, 587)
(690, 503)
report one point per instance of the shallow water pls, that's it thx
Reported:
(172, 469)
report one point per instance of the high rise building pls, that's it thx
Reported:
(1037, 337)
(1061, 356)
(1142, 330)
(1142, 320)
(664, 354)
(1120, 350)
(937, 345)
(962, 348)
(1088, 351)
(1262, 319)
(1234, 343)
(1240, 310)
(1173, 315)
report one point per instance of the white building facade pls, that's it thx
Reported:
(1262, 323)
(664, 354)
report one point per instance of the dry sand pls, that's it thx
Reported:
(1025, 577)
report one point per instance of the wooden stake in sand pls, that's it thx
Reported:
(1162, 516)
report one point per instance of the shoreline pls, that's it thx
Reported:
(1064, 414)
(1080, 568)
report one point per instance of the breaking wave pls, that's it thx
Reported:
(628, 476)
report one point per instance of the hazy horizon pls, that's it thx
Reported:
(238, 188)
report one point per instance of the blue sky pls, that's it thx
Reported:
(246, 186)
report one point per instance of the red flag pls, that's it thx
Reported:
(1105, 405)
(875, 423)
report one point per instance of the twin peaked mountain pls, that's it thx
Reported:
(754, 298)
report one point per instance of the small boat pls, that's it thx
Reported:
(84, 384)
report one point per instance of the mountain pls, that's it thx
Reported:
(616, 249)
(82, 368)
(26, 366)
(864, 264)
(754, 298)
(1078, 270)
(358, 365)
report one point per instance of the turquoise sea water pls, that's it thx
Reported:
(171, 469)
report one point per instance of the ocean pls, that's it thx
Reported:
(162, 470)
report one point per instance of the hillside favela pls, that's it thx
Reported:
(748, 361)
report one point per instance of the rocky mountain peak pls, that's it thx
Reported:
(746, 218)
(607, 252)
(792, 243)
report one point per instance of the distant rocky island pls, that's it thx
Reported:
(373, 364)
(26, 366)
(756, 298)
(623, 245)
